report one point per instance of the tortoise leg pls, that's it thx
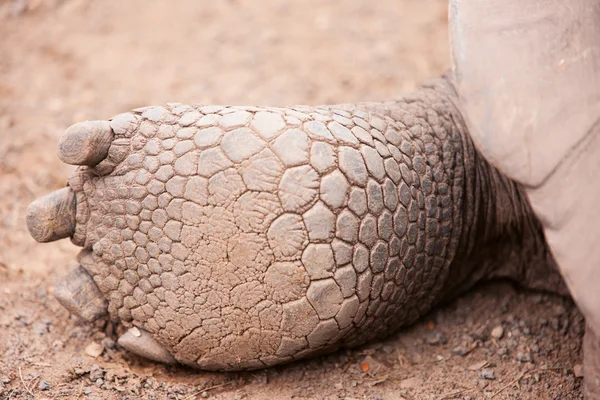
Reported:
(591, 364)
(78, 293)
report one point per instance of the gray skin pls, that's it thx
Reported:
(244, 237)
(232, 238)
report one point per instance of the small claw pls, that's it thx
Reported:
(140, 342)
(52, 217)
(78, 293)
(86, 143)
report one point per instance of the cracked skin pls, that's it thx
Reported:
(235, 238)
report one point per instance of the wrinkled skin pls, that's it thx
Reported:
(242, 237)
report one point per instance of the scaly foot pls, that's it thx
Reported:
(242, 237)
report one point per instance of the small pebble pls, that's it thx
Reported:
(487, 373)
(40, 328)
(460, 351)
(411, 383)
(87, 390)
(535, 348)
(435, 338)
(524, 356)
(21, 315)
(43, 385)
(96, 373)
(498, 332)
(94, 349)
(108, 343)
(477, 365)
(558, 310)
(578, 371)
(30, 376)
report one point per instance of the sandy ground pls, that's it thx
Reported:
(71, 60)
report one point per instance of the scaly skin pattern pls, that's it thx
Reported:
(244, 237)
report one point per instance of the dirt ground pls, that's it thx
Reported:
(71, 60)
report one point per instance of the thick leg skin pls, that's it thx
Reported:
(528, 77)
(244, 237)
(591, 364)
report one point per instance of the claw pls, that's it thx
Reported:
(140, 342)
(78, 293)
(52, 217)
(86, 143)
